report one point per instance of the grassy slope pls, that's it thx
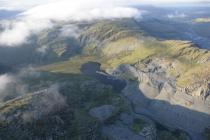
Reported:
(202, 20)
(131, 47)
(120, 44)
(70, 66)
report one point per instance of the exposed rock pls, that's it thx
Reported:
(149, 132)
(157, 96)
(102, 113)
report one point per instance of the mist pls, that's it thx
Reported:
(51, 100)
(40, 15)
(45, 16)
(13, 85)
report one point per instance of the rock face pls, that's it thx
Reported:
(158, 96)
(102, 113)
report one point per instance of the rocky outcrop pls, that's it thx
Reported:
(156, 95)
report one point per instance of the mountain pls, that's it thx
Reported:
(112, 81)
(118, 79)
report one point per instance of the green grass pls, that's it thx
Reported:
(187, 60)
(202, 20)
(125, 51)
(117, 47)
(72, 65)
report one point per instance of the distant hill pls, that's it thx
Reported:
(167, 84)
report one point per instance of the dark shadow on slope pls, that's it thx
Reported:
(172, 116)
(57, 115)
(93, 69)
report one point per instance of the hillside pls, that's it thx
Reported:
(134, 85)
(120, 42)
(104, 70)
(174, 71)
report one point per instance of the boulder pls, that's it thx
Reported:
(102, 113)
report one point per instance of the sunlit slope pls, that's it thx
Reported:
(202, 20)
(113, 43)
(72, 65)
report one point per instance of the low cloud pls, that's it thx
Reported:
(177, 15)
(21, 4)
(51, 100)
(25, 4)
(47, 101)
(4, 81)
(13, 85)
(17, 31)
(42, 49)
(32, 21)
(10, 87)
(70, 31)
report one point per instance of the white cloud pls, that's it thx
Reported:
(14, 85)
(39, 14)
(42, 49)
(4, 81)
(177, 15)
(17, 31)
(70, 31)
(80, 10)
(9, 87)
(38, 18)
(21, 4)
(26, 4)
